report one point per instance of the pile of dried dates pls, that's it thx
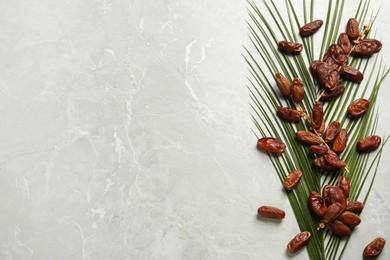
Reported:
(327, 143)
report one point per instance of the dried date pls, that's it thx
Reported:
(358, 107)
(340, 141)
(349, 218)
(317, 204)
(271, 212)
(283, 83)
(308, 137)
(297, 90)
(310, 28)
(353, 29)
(337, 54)
(332, 80)
(321, 129)
(298, 242)
(334, 210)
(317, 115)
(351, 73)
(374, 248)
(339, 228)
(334, 194)
(289, 114)
(369, 143)
(319, 149)
(344, 184)
(331, 132)
(292, 180)
(344, 43)
(290, 47)
(335, 93)
(333, 159)
(271, 145)
(355, 206)
(367, 47)
(313, 67)
(323, 164)
(322, 70)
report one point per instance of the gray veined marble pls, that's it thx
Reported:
(125, 134)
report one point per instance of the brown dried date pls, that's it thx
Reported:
(333, 159)
(297, 90)
(317, 115)
(367, 47)
(283, 83)
(335, 93)
(271, 212)
(308, 137)
(334, 210)
(331, 132)
(344, 184)
(290, 47)
(349, 218)
(321, 129)
(339, 228)
(310, 28)
(337, 54)
(298, 242)
(344, 43)
(292, 180)
(322, 70)
(319, 149)
(289, 114)
(333, 80)
(369, 143)
(334, 194)
(271, 145)
(317, 204)
(358, 107)
(355, 206)
(323, 164)
(313, 67)
(340, 141)
(351, 73)
(353, 29)
(374, 248)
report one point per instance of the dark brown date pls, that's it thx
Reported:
(367, 47)
(339, 228)
(355, 206)
(323, 164)
(344, 43)
(271, 212)
(334, 194)
(317, 115)
(283, 83)
(334, 210)
(349, 218)
(333, 80)
(308, 137)
(321, 129)
(313, 67)
(331, 132)
(319, 149)
(358, 107)
(310, 28)
(333, 159)
(292, 180)
(298, 242)
(271, 145)
(289, 114)
(322, 72)
(297, 90)
(369, 143)
(317, 204)
(344, 184)
(374, 248)
(290, 47)
(337, 54)
(340, 142)
(353, 29)
(334, 94)
(351, 73)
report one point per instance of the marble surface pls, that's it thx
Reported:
(125, 134)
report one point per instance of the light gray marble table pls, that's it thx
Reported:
(125, 134)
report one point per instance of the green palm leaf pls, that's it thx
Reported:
(267, 25)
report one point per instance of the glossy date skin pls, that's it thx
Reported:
(283, 84)
(334, 194)
(344, 43)
(298, 242)
(333, 159)
(331, 132)
(317, 204)
(310, 28)
(344, 184)
(358, 107)
(355, 206)
(271, 145)
(324, 165)
(289, 114)
(369, 143)
(317, 115)
(340, 142)
(290, 47)
(308, 137)
(271, 212)
(334, 94)
(337, 54)
(292, 180)
(349, 218)
(367, 47)
(374, 248)
(332, 80)
(351, 73)
(334, 210)
(353, 29)
(339, 228)
(297, 90)
(319, 149)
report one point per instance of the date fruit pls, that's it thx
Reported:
(317, 115)
(333, 80)
(271, 145)
(283, 84)
(322, 70)
(317, 204)
(271, 212)
(290, 47)
(292, 180)
(344, 43)
(319, 149)
(374, 248)
(334, 94)
(353, 29)
(367, 47)
(340, 141)
(310, 28)
(298, 242)
(297, 90)
(355, 206)
(351, 73)
(337, 54)
(289, 114)
(333, 159)
(358, 107)
(369, 143)
(313, 67)
(331, 132)
(323, 164)
(334, 210)
(308, 137)
(339, 228)
(349, 218)
(344, 184)
(321, 129)
(334, 194)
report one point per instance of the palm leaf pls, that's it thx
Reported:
(267, 25)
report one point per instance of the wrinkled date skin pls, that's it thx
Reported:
(317, 204)
(271, 145)
(297, 90)
(340, 141)
(355, 206)
(283, 84)
(323, 164)
(367, 47)
(334, 94)
(322, 71)
(289, 114)
(344, 43)
(319, 149)
(334, 210)
(349, 218)
(369, 143)
(337, 54)
(298, 242)
(351, 73)
(334, 194)
(358, 107)
(333, 159)
(374, 248)
(317, 115)
(331, 132)
(308, 137)
(292, 180)
(310, 28)
(344, 184)
(339, 228)
(271, 212)
(313, 67)
(353, 29)
(321, 129)
(333, 80)
(290, 47)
